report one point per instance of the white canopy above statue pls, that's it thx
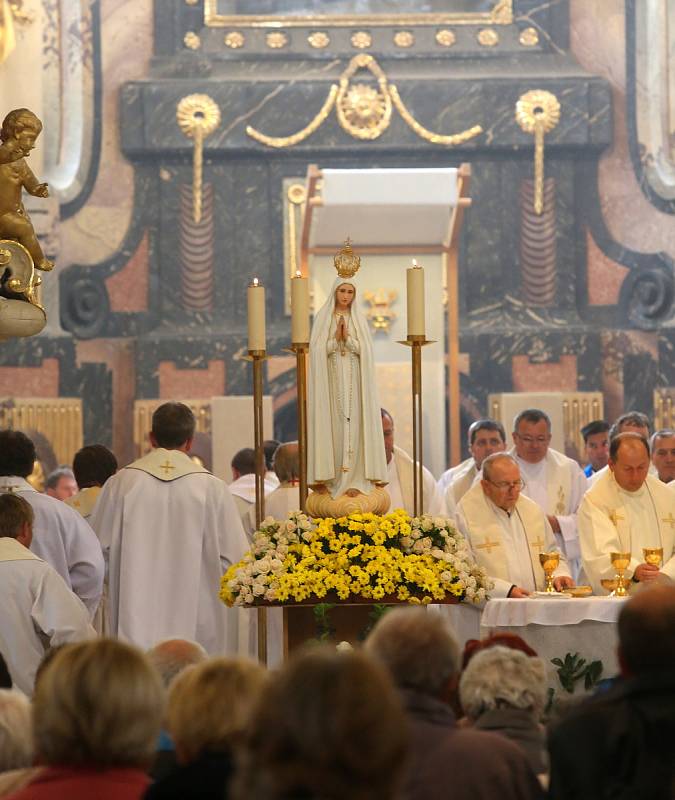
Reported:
(385, 208)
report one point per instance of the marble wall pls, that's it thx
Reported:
(578, 298)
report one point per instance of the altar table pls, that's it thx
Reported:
(557, 626)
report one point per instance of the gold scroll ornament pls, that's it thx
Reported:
(363, 110)
(537, 113)
(198, 116)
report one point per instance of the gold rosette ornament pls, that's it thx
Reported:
(198, 116)
(537, 113)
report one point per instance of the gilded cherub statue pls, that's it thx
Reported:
(20, 252)
(20, 130)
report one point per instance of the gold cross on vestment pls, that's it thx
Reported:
(487, 545)
(615, 517)
(538, 543)
(167, 467)
(10, 489)
(669, 519)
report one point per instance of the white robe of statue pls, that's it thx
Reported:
(169, 529)
(345, 440)
(38, 611)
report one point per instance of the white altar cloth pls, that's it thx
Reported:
(555, 627)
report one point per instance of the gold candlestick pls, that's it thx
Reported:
(301, 349)
(620, 562)
(549, 563)
(653, 555)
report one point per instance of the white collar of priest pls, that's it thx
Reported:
(13, 483)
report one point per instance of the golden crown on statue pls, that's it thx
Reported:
(347, 263)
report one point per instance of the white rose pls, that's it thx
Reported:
(418, 547)
(276, 565)
(307, 536)
(270, 595)
(447, 576)
(406, 542)
(436, 553)
(426, 524)
(258, 589)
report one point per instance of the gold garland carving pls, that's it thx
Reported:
(363, 111)
(424, 133)
(198, 116)
(537, 113)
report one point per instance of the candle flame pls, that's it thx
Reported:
(255, 281)
(298, 274)
(415, 264)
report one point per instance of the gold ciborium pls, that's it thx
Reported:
(653, 555)
(609, 584)
(549, 563)
(620, 562)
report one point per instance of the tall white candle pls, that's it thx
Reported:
(415, 296)
(299, 309)
(256, 315)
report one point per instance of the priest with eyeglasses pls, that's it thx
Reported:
(506, 531)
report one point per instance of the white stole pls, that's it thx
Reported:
(487, 540)
(11, 550)
(167, 465)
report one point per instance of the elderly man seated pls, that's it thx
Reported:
(507, 531)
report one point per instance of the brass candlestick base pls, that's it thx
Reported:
(620, 562)
(549, 563)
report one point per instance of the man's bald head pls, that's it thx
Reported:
(172, 656)
(629, 460)
(647, 631)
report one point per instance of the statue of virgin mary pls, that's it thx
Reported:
(345, 455)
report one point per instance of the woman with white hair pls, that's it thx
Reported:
(16, 741)
(504, 691)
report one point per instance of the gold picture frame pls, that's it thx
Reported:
(500, 14)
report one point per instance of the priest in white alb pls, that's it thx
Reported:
(60, 535)
(400, 472)
(39, 610)
(486, 436)
(169, 529)
(92, 465)
(555, 482)
(627, 510)
(507, 531)
(242, 487)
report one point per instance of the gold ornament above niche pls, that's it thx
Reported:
(404, 39)
(234, 40)
(529, 37)
(445, 38)
(276, 40)
(538, 113)
(361, 40)
(192, 41)
(197, 115)
(380, 314)
(488, 37)
(363, 111)
(501, 13)
(319, 39)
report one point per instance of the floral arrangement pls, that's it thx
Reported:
(417, 560)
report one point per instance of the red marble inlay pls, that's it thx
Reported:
(42, 381)
(605, 276)
(128, 288)
(551, 376)
(175, 382)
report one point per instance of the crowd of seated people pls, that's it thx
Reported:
(401, 718)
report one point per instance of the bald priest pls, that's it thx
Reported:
(507, 531)
(627, 510)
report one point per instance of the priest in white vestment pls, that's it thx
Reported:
(663, 454)
(92, 465)
(555, 482)
(507, 531)
(243, 482)
(169, 529)
(625, 511)
(486, 436)
(286, 498)
(345, 451)
(400, 473)
(38, 609)
(60, 535)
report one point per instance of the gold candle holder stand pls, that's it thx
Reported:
(549, 563)
(416, 343)
(257, 358)
(301, 349)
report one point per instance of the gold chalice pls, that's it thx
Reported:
(653, 555)
(620, 562)
(549, 563)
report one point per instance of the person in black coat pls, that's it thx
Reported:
(619, 744)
